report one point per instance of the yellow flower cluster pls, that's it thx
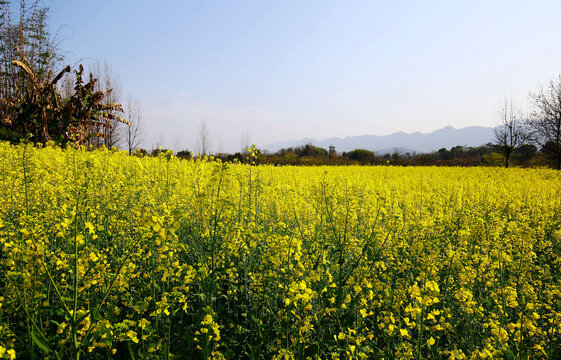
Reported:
(106, 254)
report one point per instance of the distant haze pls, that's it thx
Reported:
(446, 137)
(281, 70)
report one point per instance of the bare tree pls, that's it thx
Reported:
(176, 143)
(245, 143)
(134, 132)
(204, 141)
(112, 133)
(511, 134)
(219, 146)
(545, 121)
(332, 153)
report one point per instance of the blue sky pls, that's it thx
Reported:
(280, 70)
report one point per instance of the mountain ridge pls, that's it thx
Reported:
(401, 141)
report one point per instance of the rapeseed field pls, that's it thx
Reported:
(105, 255)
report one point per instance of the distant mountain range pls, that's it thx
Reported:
(401, 142)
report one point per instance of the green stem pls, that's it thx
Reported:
(75, 307)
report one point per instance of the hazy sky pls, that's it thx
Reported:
(280, 70)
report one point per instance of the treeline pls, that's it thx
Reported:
(310, 155)
(485, 155)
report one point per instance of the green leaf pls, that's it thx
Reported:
(81, 318)
(95, 314)
(57, 324)
(40, 342)
(510, 353)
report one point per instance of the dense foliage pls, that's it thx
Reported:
(103, 255)
(40, 114)
(39, 100)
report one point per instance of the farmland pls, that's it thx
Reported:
(107, 255)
